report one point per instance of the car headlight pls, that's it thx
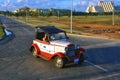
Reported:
(77, 46)
(66, 49)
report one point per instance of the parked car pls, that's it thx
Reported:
(52, 43)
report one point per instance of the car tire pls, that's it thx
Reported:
(81, 60)
(34, 52)
(59, 62)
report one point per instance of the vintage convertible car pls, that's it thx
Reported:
(52, 43)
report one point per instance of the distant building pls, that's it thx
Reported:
(15, 11)
(94, 9)
(106, 6)
(26, 8)
(21, 9)
(50, 11)
(103, 7)
(33, 10)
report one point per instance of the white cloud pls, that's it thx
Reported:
(18, 1)
(6, 3)
(37, 2)
(3, 5)
(46, 0)
(82, 3)
(93, 2)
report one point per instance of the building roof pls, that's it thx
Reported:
(48, 29)
(102, 7)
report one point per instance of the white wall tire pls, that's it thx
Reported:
(59, 62)
(34, 52)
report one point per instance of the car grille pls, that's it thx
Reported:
(71, 50)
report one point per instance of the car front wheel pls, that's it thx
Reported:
(59, 62)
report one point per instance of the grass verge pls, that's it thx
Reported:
(1, 31)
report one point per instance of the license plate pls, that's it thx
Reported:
(76, 60)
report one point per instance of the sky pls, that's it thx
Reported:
(78, 5)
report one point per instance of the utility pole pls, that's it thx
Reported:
(58, 15)
(7, 12)
(113, 14)
(26, 18)
(38, 12)
(71, 19)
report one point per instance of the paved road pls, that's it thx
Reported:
(17, 63)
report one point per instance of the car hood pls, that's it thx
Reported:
(64, 43)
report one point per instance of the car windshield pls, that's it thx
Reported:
(57, 36)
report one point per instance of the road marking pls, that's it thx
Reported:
(105, 77)
(99, 67)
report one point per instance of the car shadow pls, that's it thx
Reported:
(106, 57)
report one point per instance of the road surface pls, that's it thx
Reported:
(17, 63)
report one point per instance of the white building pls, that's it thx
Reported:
(94, 9)
(107, 6)
(102, 7)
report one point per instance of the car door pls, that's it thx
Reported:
(47, 50)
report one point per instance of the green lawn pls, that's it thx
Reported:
(1, 32)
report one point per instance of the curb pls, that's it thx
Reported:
(92, 36)
(9, 35)
(7, 38)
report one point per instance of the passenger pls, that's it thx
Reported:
(45, 38)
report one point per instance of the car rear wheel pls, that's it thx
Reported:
(59, 62)
(34, 52)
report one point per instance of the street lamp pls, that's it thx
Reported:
(71, 25)
(7, 8)
(6, 11)
(26, 3)
(58, 15)
(38, 12)
(113, 16)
